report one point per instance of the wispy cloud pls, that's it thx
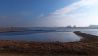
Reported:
(75, 6)
(74, 14)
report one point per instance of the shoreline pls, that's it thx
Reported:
(88, 45)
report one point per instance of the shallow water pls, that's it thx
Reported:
(44, 37)
(63, 35)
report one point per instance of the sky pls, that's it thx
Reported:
(48, 13)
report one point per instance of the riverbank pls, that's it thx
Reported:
(88, 45)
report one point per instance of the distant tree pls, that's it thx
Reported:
(69, 26)
(74, 26)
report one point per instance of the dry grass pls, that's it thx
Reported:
(87, 46)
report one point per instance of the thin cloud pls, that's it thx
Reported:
(75, 6)
(69, 15)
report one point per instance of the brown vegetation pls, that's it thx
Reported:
(87, 46)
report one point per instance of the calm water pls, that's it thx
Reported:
(62, 36)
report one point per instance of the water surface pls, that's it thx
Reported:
(61, 35)
(44, 37)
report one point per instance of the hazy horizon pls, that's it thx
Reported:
(48, 13)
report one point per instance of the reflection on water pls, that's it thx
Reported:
(49, 36)
(91, 32)
(63, 35)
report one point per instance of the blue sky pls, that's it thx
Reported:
(47, 13)
(34, 7)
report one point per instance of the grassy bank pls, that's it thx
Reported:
(88, 45)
